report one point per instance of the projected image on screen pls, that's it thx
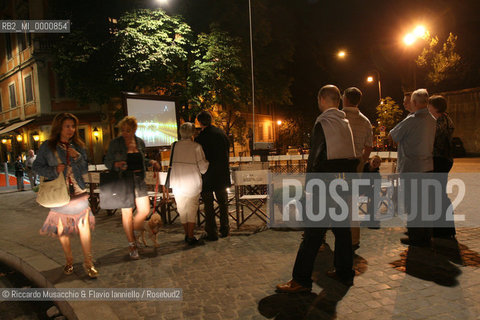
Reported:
(157, 121)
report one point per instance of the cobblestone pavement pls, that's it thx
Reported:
(235, 277)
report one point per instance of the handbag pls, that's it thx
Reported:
(167, 180)
(54, 193)
(117, 190)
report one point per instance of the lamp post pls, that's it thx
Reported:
(420, 32)
(370, 79)
(252, 70)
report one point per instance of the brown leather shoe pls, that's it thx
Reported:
(292, 287)
(348, 281)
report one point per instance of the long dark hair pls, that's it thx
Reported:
(57, 129)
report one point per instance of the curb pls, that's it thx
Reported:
(37, 278)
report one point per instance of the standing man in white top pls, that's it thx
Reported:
(32, 176)
(361, 126)
(415, 137)
(362, 139)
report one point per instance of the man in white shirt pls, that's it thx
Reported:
(415, 137)
(362, 138)
(361, 126)
(32, 176)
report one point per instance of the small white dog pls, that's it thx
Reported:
(152, 226)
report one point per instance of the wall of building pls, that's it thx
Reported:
(463, 106)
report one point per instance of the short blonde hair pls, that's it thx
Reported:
(187, 130)
(129, 121)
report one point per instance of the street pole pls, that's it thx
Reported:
(379, 88)
(253, 76)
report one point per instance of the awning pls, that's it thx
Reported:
(15, 126)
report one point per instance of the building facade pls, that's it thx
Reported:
(31, 93)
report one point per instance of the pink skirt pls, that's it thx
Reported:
(75, 212)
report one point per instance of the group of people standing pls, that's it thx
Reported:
(22, 167)
(198, 167)
(341, 139)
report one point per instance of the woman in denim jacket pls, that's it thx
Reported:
(127, 152)
(76, 216)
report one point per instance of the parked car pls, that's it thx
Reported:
(458, 148)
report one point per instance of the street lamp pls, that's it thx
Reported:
(409, 39)
(370, 79)
(279, 122)
(420, 32)
(252, 70)
(162, 1)
(341, 54)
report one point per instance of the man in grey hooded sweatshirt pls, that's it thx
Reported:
(332, 150)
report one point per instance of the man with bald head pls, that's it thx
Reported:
(332, 150)
(415, 137)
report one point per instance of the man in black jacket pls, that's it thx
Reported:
(216, 180)
(19, 173)
(332, 150)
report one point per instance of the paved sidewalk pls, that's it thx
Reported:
(235, 277)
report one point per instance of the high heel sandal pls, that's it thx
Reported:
(132, 247)
(68, 269)
(90, 268)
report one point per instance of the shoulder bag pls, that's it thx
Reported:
(54, 193)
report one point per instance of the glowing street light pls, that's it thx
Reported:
(279, 122)
(409, 39)
(370, 79)
(341, 54)
(162, 1)
(420, 31)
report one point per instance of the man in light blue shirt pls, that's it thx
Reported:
(415, 137)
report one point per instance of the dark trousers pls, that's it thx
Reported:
(313, 238)
(222, 200)
(445, 228)
(419, 231)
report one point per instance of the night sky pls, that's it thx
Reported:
(371, 32)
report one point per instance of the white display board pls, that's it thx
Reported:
(157, 120)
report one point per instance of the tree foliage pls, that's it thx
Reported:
(155, 51)
(219, 72)
(440, 61)
(388, 114)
